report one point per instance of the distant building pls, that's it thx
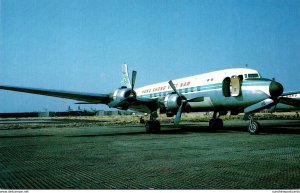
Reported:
(44, 114)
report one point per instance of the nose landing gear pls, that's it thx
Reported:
(254, 126)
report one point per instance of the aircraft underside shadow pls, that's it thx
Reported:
(267, 127)
(293, 128)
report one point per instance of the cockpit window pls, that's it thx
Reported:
(253, 76)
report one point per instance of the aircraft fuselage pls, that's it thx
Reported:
(218, 88)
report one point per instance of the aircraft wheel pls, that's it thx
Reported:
(254, 128)
(220, 123)
(148, 126)
(216, 124)
(156, 126)
(152, 126)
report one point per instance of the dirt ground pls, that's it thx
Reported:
(124, 157)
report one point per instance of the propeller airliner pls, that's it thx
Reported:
(237, 90)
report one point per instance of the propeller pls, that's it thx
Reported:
(174, 88)
(184, 102)
(133, 78)
(130, 98)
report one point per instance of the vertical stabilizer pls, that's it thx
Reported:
(126, 81)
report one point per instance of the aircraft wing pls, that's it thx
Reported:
(290, 101)
(140, 104)
(81, 96)
(144, 105)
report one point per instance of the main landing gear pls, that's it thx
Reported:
(253, 127)
(216, 122)
(153, 125)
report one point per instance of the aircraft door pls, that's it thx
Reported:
(226, 87)
(231, 86)
(235, 86)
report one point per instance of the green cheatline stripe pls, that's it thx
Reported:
(255, 83)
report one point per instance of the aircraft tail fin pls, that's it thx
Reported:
(126, 80)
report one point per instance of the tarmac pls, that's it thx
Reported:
(190, 156)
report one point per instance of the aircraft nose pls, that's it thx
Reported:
(276, 89)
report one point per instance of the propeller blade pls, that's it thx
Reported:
(179, 112)
(172, 85)
(174, 88)
(133, 78)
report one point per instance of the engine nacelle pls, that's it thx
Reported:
(121, 94)
(172, 102)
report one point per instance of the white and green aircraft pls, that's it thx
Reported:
(236, 90)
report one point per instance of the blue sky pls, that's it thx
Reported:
(80, 45)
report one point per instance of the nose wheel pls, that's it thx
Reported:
(254, 126)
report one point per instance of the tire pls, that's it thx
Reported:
(254, 128)
(148, 126)
(152, 126)
(156, 126)
(219, 123)
(216, 123)
(212, 124)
